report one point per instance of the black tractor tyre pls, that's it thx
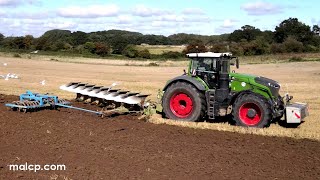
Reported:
(182, 101)
(251, 110)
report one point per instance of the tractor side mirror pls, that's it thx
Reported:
(237, 63)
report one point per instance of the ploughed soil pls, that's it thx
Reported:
(125, 147)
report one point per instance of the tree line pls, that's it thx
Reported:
(290, 35)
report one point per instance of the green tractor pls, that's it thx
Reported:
(209, 90)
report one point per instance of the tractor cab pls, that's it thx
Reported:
(209, 66)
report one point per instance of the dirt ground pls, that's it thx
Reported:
(125, 147)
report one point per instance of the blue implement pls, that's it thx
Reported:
(34, 101)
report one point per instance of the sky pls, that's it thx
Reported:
(161, 17)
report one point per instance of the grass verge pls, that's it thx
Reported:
(274, 130)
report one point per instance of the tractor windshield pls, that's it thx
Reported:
(204, 64)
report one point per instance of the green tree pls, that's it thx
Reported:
(52, 38)
(219, 47)
(59, 45)
(172, 55)
(276, 48)
(102, 49)
(119, 44)
(28, 41)
(246, 32)
(292, 45)
(268, 36)
(294, 28)
(183, 38)
(1, 37)
(144, 54)
(236, 49)
(263, 46)
(130, 51)
(90, 47)
(196, 47)
(18, 43)
(155, 40)
(79, 38)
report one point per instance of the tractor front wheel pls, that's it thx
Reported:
(182, 101)
(251, 110)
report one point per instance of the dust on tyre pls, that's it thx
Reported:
(182, 101)
(251, 110)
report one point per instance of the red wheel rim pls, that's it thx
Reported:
(243, 114)
(181, 105)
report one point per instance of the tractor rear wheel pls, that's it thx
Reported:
(251, 110)
(182, 101)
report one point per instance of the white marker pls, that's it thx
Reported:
(114, 84)
(43, 82)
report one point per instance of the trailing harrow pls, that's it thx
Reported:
(34, 101)
(107, 97)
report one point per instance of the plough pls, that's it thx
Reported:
(106, 96)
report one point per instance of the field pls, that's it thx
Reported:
(126, 147)
(159, 49)
(298, 78)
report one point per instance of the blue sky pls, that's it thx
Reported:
(166, 17)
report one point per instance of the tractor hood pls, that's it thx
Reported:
(242, 77)
(272, 85)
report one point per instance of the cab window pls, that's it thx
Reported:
(204, 64)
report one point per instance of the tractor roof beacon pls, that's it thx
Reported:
(209, 90)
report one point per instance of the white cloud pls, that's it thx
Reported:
(93, 11)
(30, 15)
(125, 19)
(227, 26)
(2, 14)
(171, 18)
(162, 24)
(261, 8)
(193, 11)
(144, 11)
(198, 19)
(228, 23)
(147, 20)
(58, 24)
(17, 2)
